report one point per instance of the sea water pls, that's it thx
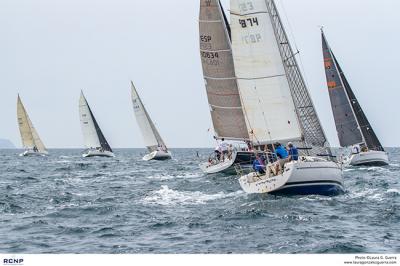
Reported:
(64, 203)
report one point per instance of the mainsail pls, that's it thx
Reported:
(152, 138)
(30, 137)
(351, 122)
(93, 137)
(219, 73)
(275, 98)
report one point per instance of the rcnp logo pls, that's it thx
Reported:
(13, 261)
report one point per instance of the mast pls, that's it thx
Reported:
(152, 137)
(219, 74)
(314, 135)
(351, 122)
(93, 135)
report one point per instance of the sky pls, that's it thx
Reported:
(52, 49)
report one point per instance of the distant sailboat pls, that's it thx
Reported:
(277, 104)
(30, 138)
(94, 139)
(221, 85)
(153, 141)
(352, 125)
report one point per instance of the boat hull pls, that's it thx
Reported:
(96, 153)
(158, 156)
(33, 153)
(370, 158)
(303, 178)
(244, 158)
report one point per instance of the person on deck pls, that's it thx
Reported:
(282, 155)
(293, 152)
(355, 149)
(224, 148)
(258, 166)
(35, 149)
(217, 152)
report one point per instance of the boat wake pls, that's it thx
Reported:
(169, 197)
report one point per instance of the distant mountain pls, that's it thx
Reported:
(6, 144)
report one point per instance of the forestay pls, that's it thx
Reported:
(219, 73)
(345, 120)
(152, 138)
(263, 84)
(29, 136)
(92, 134)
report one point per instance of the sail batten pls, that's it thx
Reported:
(152, 137)
(92, 134)
(219, 74)
(29, 136)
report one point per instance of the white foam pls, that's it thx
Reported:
(163, 177)
(166, 197)
(393, 191)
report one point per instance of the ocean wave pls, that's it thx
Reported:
(169, 197)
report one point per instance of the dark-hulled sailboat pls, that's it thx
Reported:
(94, 139)
(352, 125)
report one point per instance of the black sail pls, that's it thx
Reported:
(351, 122)
(103, 142)
(370, 137)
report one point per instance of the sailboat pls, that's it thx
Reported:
(352, 125)
(30, 138)
(94, 139)
(153, 141)
(222, 90)
(277, 104)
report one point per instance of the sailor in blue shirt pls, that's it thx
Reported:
(280, 151)
(293, 152)
(258, 165)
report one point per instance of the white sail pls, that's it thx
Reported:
(262, 79)
(152, 138)
(29, 136)
(90, 137)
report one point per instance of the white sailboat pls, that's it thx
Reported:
(352, 125)
(94, 139)
(153, 141)
(277, 104)
(31, 141)
(222, 91)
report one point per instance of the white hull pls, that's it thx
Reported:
(33, 153)
(222, 167)
(96, 153)
(368, 158)
(245, 159)
(158, 156)
(299, 178)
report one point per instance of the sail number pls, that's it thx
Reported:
(205, 42)
(210, 55)
(210, 58)
(248, 22)
(244, 7)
